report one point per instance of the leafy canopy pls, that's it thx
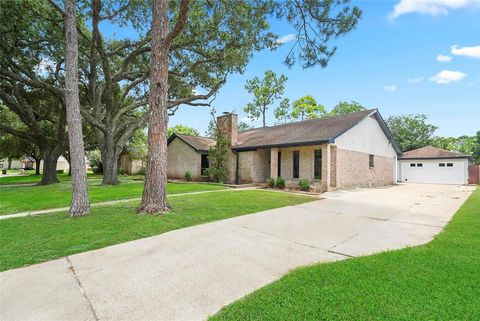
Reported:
(344, 107)
(182, 129)
(265, 92)
(411, 131)
(306, 107)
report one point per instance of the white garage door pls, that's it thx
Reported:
(439, 171)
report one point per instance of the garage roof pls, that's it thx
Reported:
(430, 152)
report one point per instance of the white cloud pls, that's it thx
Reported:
(473, 52)
(390, 88)
(287, 38)
(415, 80)
(430, 7)
(447, 76)
(443, 58)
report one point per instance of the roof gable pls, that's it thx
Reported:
(198, 143)
(309, 132)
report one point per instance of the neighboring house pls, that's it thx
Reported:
(352, 150)
(434, 165)
(132, 160)
(62, 164)
(24, 163)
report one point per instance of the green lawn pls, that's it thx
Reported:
(437, 281)
(31, 178)
(35, 239)
(29, 198)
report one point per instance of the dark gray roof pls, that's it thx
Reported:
(199, 143)
(430, 152)
(308, 132)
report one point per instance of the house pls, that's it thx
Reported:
(434, 165)
(352, 150)
(132, 160)
(24, 163)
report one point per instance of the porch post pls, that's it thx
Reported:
(273, 163)
(326, 167)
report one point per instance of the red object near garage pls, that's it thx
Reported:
(474, 174)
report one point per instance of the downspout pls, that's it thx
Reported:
(237, 179)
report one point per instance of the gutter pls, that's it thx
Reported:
(237, 165)
(309, 143)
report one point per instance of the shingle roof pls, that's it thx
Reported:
(314, 131)
(431, 152)
(199, 143)
(308, 132)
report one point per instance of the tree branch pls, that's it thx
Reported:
(182, 19)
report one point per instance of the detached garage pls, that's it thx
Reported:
(433, 165)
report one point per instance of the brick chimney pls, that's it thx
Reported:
(227, 125)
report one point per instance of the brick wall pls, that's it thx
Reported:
(246, 167)
(182, 158)
(227, 125)
(254, 166)
(353, 170)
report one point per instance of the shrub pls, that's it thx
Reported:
(142, 171)
(280, 182)
(271, 182)
(188, 176)
(304, 185)
(97, 170)
(218, 175)
(60, 171)
(95, 159)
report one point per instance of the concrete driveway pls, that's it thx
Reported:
(191, 273)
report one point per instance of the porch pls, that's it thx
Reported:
(315, 163)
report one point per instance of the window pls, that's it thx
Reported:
(204, 164)
(441, 165)
(419, 165)
(317, 164)
(296, 164)
(279, 164)
(412, 164)
(449, 164)
(371, 161)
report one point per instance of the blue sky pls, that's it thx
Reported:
(386, 63)
(405, 56)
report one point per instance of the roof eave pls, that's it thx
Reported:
(308, 143)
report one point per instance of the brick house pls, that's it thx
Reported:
(352, 150)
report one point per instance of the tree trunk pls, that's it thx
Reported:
(110, 172)
(80, 203)
(37, 166)
(263, 114)
(154, 199)
(49, 175)
(108, 150)
(9, 166)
